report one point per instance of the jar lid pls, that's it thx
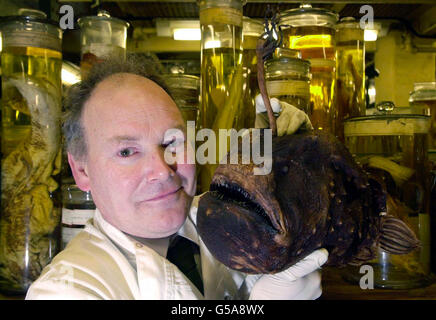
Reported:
(30, 29)
(285, 65)
(252, 27)
(423, 91)
(305, 15)
(204, 4)
(387, 124)
(102, 15)
(28, 15)
(182, 81)
(348, 23)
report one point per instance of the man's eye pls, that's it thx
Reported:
(126, 152)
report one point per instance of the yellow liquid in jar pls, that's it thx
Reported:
(313, 42)
(250, 87)
(350, 83)
(218, 67)
(317, 44)
(218, 72)
(322, 114)
(40, 63)
(29, 234)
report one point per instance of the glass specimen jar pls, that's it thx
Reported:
(288, 78)
(77, 208)
(101, 36)
(251, 32)
(423, 100)
(393, 149)
(31, 63)
(350, 72)
(221, 72)
(312, 31)
(185, 90)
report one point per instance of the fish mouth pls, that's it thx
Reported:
(233, 193)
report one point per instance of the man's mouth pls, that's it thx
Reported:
(164, 195)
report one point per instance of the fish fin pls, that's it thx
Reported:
(396, 237)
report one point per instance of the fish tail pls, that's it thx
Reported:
(396, 237)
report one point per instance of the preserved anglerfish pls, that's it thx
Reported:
(316, 196)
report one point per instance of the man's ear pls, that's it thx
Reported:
(80, 172)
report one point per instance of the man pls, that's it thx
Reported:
(115, 136)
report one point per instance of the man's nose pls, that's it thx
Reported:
(156, 168)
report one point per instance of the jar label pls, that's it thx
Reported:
(76, 217)
(288, 87)
(230, 16)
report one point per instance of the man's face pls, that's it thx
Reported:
(125, 121)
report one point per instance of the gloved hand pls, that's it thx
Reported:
(302, 281)
(289, 121)
(260, 106)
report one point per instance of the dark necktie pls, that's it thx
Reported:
(181, 252)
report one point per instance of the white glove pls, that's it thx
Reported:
(289, 121)
(302, 281)
(260, 105)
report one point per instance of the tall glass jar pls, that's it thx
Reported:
(288, 78)
(185, 91)
(350, 72)
(423, 100)
(312, 31)
(393, 149)
(251, 32)
(31, 63)
(221, 72)
(101, 36)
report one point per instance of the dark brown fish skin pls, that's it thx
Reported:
(316, 196)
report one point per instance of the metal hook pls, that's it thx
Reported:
(272, 19)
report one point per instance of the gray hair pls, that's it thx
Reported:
(79, 94)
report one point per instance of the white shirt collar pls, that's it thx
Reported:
(159, 245)
(116, 235)
(129, 244)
